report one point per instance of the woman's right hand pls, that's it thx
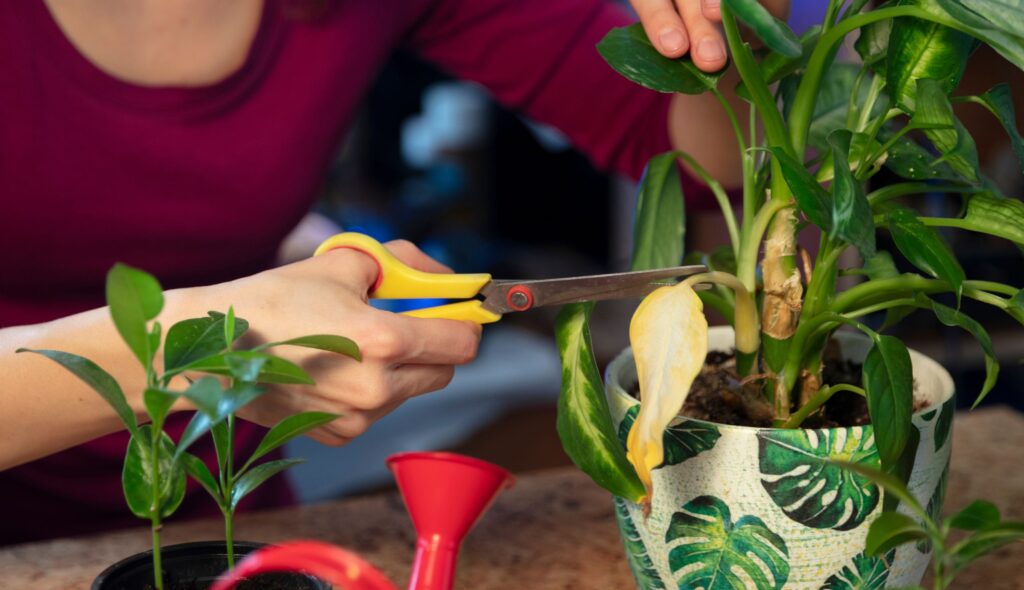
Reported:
(401, 356)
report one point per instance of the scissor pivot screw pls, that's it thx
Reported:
(520, 298)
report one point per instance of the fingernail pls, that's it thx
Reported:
(711, 3)
(672, 40)
(711, 50)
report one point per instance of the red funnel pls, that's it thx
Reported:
(445, 494)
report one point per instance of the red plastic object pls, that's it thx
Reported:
(445, 494)
(343, 569)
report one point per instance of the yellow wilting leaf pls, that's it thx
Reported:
(669, 335)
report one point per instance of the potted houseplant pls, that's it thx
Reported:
(219, 379)
(748, 494)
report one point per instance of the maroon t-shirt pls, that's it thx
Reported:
(199, 185)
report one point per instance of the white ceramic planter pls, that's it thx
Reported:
(748, 508)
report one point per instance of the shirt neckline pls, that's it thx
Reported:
(183, 100)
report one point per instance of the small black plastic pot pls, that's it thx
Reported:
(195, 566)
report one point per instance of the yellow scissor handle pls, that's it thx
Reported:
(470, 311)
(395, 280)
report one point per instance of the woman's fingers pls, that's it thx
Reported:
(706, 45)
(407, 340)
(412, 256)
(412, 380)
(712, 10)
(663, 26)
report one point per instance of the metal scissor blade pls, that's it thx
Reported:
(499, 296)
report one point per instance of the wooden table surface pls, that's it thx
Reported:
(554, 531)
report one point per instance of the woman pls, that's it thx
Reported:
(187, 138)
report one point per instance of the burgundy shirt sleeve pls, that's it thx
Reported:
(538, 56)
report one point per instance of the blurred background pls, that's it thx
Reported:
(482, 189)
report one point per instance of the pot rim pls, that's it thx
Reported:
(165, 550)
(624, 360)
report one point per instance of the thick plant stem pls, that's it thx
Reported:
(783, 295)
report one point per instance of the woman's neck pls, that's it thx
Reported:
(160, 43)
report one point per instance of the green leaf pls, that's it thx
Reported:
(890, 530)
(976, 516)
(660, 225)
(629, 52)
(999, 101)
(193, 339)
(681, 441)
(924, 49)
(798, 473)
(584, 420)
(934, 114)
(1001, 35)
(272, 370)
(289, 428)
(775, 33)
(198, 470)
(881, 266)
(256, 476)
(986, 541)
(206, 394)
(889, 384)
(925, 248)
(96, 378)
(158, 402)
(776, 66)
(709, 550)
(245, 368)
(903, 467)
(222, 443)
(861, 147)
(851, 213)
(229, 326)
(328, 342)
(995, 215)
(640, 563)
(154, 340)
(832, 105)
(134, 298)
(907, 159)
(215, 404)
(864, 573)
(955, 318)
(138, 475)
(813, 200)
(873, 44)
(890, 483)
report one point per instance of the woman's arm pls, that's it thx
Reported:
(44, 409)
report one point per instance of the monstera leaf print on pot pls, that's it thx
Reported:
(797, 475)
(865, 573)
(640, 563)
(682, 441)
(708, 550)
(934, 508)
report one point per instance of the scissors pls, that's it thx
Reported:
(395, 280)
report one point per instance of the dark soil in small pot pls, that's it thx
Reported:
(195, 566)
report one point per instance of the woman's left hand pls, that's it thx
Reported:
(676, 27)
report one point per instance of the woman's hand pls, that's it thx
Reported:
(678, 26)
(402, 356)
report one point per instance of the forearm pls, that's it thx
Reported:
(43, 407)
(699, 126)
